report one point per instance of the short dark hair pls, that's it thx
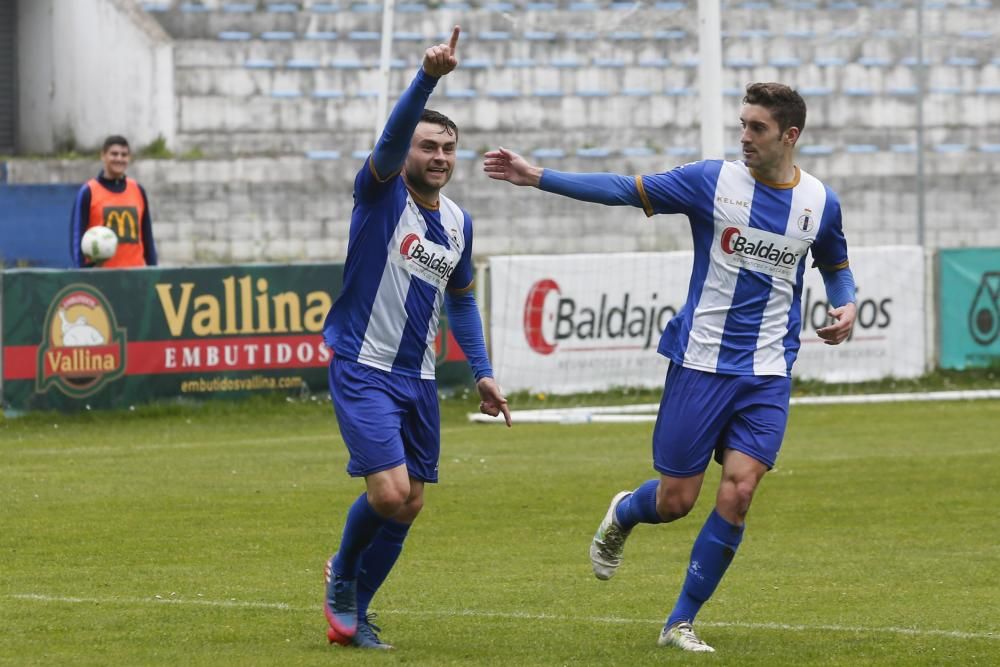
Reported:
(784, 103)
(115, 140)
(438, 118)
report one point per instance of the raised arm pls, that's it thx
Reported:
(392, 147)
(600, 188)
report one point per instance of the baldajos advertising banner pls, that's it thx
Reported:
(115, 338)
(574, 323)
(970, 307)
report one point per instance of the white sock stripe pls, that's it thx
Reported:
(475, 613)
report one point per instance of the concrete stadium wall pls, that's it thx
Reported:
(90, 68)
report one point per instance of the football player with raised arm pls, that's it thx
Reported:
(409, 252)
(732, 345)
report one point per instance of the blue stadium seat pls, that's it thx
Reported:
(903, 148)
(282, 8)
(346, 63)
(547, 92)
(859, 92)
(655, 61)
(277, 35)
(460, 93)
(757, 33)
(548, 153)
(154, 7)
(466, 154)
(669, 34)
(608, 62)
(786, 62)
(503, 94)
(398, 63)
(286, 94)
(520, 62)
(874, 61)
(902, 91)
(755, 5)
(540, 6)
(950, 148)
(740, 63)
(625, 36)
(887, 33)
(593, 152)
(238, 7)
(234, 36)
(988, 90)
(499, 7)
(583, 6)
(324, 8)
(324, 36)
(323, 155)
(962, 61)
(328, 94)
(946, 90)
(800, 34)
(856, 149)
(816, 149)
(193, 8)
(637, 92)
(258, 63)
(887, 6)
(816, 91)
(829, 61)
(568, 62)
(846, 33)
(637, 151)
(976, 34)
(911, 61)
(681, 151)
(411, 8)
(302, 63)
(802, 5)
(733, 92)
(494, 36)
(366, 94)
(842, 5)
(592, 92)
(581, 35)
(361, 154)
(364, 36)
(670, 6)
(405, 36)
(616, 5)
(477, 63)
(539, 35)
(454, 6)
(690, 62)
(367, 7)
(989, 148)
(678, 91)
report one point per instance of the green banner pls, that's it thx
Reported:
(115, 338)
(969, 307)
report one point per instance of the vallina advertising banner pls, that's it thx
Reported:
(576, 323)
(970, 307)
(115, 338)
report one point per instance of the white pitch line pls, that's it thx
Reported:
(475, 613)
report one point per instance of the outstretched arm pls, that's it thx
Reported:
(600, 188)
(392, 146)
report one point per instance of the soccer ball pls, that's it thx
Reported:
(99, 243)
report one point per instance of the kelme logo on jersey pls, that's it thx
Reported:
(603, 321)
(82, 347)
(758, 250)
(431, 257)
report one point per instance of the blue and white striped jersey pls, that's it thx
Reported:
(742, 315)
(401, 256)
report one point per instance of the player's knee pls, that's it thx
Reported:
(408, 513)
(674, 506)
(735, 497)
(388, 501)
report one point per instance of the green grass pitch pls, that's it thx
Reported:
(197, 536)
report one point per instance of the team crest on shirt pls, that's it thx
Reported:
(805, 221)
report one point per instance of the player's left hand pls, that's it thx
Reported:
(493, 402)
(843, 322)
(441, 59)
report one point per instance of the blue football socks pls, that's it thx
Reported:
(640, 507)
(710, 556)
(363, 522)
(377, 561)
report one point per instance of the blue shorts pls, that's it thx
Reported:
(386, 420)
(701, 413)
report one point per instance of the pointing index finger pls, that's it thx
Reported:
(454, 39)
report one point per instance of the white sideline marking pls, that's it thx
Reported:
(281, 606)
(645, 412)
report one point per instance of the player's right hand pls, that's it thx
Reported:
(505, 165)
(441, 59)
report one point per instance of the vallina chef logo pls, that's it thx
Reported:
(82, 346)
